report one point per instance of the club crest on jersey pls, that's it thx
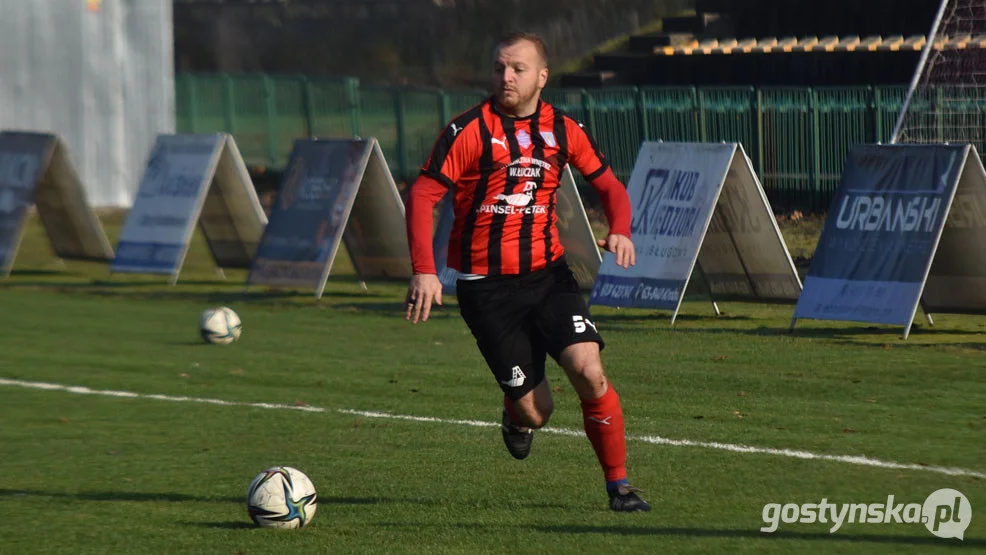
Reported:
(524, 139)
(549, 138)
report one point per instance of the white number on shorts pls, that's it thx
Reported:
(580, 323)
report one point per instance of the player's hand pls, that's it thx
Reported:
(622, 247)
(423, 290)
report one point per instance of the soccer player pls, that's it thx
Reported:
(504, 159)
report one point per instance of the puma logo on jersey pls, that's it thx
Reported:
(516, 379)
(455, 129)
(502, 142)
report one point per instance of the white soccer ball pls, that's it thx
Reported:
(220, 325)
(282, 497)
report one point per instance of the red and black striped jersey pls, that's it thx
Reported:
(505, 173)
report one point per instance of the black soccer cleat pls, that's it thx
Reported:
(625, 499)
(518, 441)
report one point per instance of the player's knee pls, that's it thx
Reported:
(588, 377)
(593, 381)
(536, 419)
(537, 416)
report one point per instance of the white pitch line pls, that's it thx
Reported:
(654, 440)
(130, 395)
(658, 440)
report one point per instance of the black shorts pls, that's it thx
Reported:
(518, 320)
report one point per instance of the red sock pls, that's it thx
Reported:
(509, 405)
(603, 419)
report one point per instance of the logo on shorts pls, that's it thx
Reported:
(516, 379)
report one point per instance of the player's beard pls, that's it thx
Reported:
(518, 99)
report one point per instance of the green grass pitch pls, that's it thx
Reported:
(98, 473)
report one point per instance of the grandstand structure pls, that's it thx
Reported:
(779, 43)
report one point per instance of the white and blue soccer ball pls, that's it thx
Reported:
(220, 325)
(282, 497)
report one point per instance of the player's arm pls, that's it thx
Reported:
(425, 287)
(454, 152)
(616, 206)
(589, 160)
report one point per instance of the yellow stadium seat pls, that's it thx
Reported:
(746, 45)
(804, 44)
(828, 43)
(810, 43)
(870, 43)
(686, 49)
(788, 44)
(845, 44)
(706, 46)
(977, 41)
(892, 42)
(765, 44)
(913, 42)
(956, 42)
(726, 46)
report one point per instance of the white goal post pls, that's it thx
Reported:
(946, 99)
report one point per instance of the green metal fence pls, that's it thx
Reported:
(797, 138)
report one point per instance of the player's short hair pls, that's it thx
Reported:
(514, 38)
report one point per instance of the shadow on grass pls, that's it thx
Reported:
(117, 496)
(196, 288)
(231, 525)
(848, 334)
(665, 317)
(396, 308)
(823, 537)
(190, 343)
(213, 297)
(37, 273)
(971, 346)
(656, 531)
(181, 497)
(891, 337)
(90, 282)
(247, 525)
(217, 293)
